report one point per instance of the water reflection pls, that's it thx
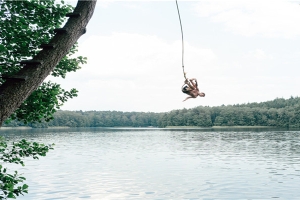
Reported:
(163, 164)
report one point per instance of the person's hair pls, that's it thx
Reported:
(202, 94)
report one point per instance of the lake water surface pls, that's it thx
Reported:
(125, 164)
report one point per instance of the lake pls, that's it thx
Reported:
(125, 164)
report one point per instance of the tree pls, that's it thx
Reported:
(24, 67)
(10, 183)
(26, 27)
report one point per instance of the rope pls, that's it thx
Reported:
(184, 74)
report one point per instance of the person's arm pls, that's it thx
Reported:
(187, 98)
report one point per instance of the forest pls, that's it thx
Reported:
(279, 112)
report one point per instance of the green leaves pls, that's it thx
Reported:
(10, 183)
(2, 48)
(25, 25)
(69, 64)
(43, 103)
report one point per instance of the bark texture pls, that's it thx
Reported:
(13, 93)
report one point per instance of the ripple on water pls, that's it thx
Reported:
(156, 164)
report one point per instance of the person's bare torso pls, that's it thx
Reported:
(194, 93)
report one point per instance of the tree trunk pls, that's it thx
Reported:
(13, 93)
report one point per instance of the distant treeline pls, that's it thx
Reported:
(277, 113)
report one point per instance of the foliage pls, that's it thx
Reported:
(277, 113)
(11, 185)
(103, 119)
(43, 103)
(25, 25)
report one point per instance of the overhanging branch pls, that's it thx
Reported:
(12, 92)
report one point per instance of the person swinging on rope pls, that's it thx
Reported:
(190, 87)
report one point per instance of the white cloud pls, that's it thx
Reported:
(135, 56)
(276, 18)
(133, 72)
(139, 72)
(258, 54)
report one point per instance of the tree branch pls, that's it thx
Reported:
(12, 92)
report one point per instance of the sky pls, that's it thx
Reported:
(240, 51)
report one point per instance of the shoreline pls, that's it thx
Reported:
(27, 127)
(218, 127)
(167, 127)
(18, 127)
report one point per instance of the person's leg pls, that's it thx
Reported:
(191, 86)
